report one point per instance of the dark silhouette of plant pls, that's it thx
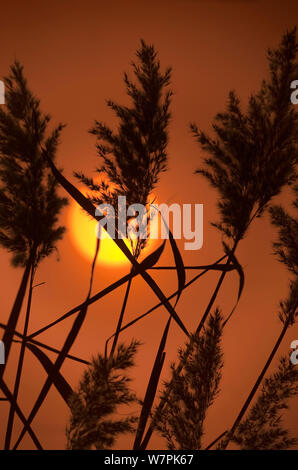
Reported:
(262, 429)
(28, 190)
(192, 389)
(134, 155)
(252, 156)
(138, 268)
(52, 369)
(103, 389)
(29, 203)
(286, 249)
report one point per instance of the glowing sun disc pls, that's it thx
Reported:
(83, 236)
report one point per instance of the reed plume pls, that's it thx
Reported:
(102, 390)
(29, 202)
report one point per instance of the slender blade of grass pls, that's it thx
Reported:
(46, 346)
(59, 381)
(150, 261)
(179, 267)
(90, 209)
(14, 315)
(147, 263)
(178, 259)
(11, 399)
(18, 377)
(152, 387)
(140, 317)
(62, 356)
(240, 271)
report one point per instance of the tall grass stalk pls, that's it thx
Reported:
(9, 428)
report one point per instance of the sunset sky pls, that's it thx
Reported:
(74, 54)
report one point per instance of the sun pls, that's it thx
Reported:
(83, 236)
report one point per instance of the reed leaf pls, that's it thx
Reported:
(148, 261)
(59, 381)
(71, 337)
(206, 269)
(19, 412)
(86, 205)
(45, 346)
(151, 388)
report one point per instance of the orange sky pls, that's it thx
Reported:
(74, 53)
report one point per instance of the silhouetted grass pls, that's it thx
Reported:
(250, 160)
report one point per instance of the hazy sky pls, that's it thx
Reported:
(74, 54)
